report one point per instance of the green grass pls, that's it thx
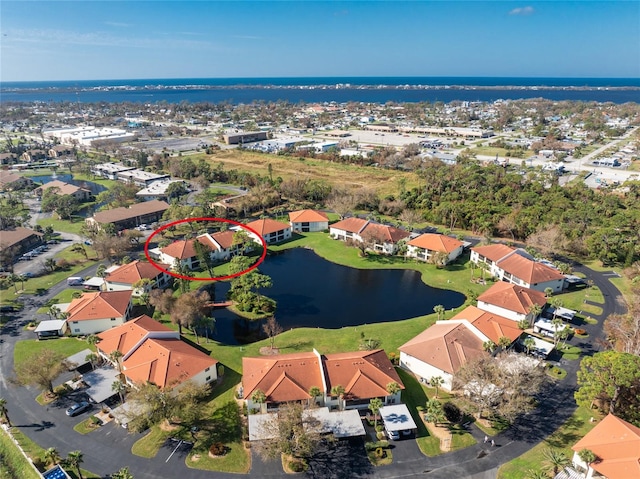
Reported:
(74, 225)
(65, 296)
(86, 426)
(576, 300)
(65, 346)
(149, 445)
(570, 353)
(556, 373)
(562, 439)
(12, 463)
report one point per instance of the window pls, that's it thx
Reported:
(208, 378)
(206, 370)
(76, 330)
(75, 322)
(113, 319)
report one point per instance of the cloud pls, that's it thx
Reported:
(522, 11)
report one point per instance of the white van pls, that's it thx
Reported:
(75, 281)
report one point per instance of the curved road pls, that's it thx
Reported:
(108, 448)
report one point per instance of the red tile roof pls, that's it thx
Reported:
(285, 377)
(123, 338)
(99, 305)
(446, 346)
(363, 374)
(352, 225)
(494, 252)
(224, 238)
(183, 249)
(491, 325)
(307, 216)
(436, 242)
(388, 234)
(134, 271)
(512, 297)
(528, 270)
(166, 362)
(267, 226)
(616, 443)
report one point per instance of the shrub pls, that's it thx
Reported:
(452, 412)
(380, 435)
(580, 331)
(379, 428)
(217, 449)
(379, 453)
(297, 466)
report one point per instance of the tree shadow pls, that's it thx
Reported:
(343, 458)
(38, 426)
(297, 345)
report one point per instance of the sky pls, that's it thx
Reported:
(93, 40)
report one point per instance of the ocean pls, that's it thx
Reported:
(320, 90)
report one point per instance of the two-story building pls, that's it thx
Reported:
(135, 215)
(96, 312)
(381, 238)
(122, 278)
(271, 231)
(426, 246)
(308, 221)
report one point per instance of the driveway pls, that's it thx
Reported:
(109, 448)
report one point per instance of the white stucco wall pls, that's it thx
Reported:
(314, 226)
(93, 326)
(492, 308)
(424, 370)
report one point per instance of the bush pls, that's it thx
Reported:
(379, 453)
(452, 412)
(297, 466)
(380, 435)
(217, 449)
(580, 331)
(379, 428)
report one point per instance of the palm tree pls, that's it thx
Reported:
(91, 358)
(529, 343)
(548, 292)
(433, 411)
(314, 392)
(534, 310)
(75, 458)
(123, 473)
(119, 387)
(259, 397)
(472, 267)
(22, 279)
(393, 388)
(557, 332)
(489, 346)
(101, 272)
(587, 456)
(439, 310)
(54, 311)
(374, 406)
(555, 460)
(4, 412)
(51, 264)
(504, 342)
(79, 248)
(115, 357)
(536, 474)
(92, 339)
(436, 382)
(14, 278)
(52, 456)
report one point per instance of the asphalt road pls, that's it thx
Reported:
(109, 448)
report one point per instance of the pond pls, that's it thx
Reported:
(95, 188)
(313, 292)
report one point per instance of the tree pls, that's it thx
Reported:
(534, 311)
(101, 272)
(548, 292)
(115, 356)
(4, 412)
(610, 380)
(52, 456)
(536, 474)
(75, 458)
(92, 358)
(141, 286)
(120, 388)
(162, 300)
(93, 339)
(374, 406)
(259, 397)
(434, 412)
(555, 460)
(410, 218)
(203, 253)
(529, 343)
(123, 473)
(557, 324)
(504, 342)
(79, 248)
(295, 434)
(436, 382)
(51, 264)
(587, 456)
(393, 388)
(623, 331)
(489, 346)
(189, 309)
(315, 392)
(439, 310)
(271, 328)
(41, 369)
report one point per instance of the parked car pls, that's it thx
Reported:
(78, 408)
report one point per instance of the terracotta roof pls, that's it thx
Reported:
(11, 237)
(125, 337)
(363, 374)
(224, 238)
(307, 216)
(528, 270)
(8, 177)
(616, 443)
(134, 271)
(436, 242)
(285, 377)
(166, 362)
(65, 188)
(387, 233)
(137, 209)
(512, 297)
(352, 225)
(99, 305)
(446, 346)
(180, 249)
(494, 252)
(491, 325)
(267, 226)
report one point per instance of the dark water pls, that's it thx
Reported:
(95, 188)
(313, 292)
(312, 90)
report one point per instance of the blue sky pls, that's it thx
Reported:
(86, 40)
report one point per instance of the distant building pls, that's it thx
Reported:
(306, 221)
(134, 215)
(19, 239)
(110, 170)
(89, 135)
(157, 190)
(10, 181)
(80, 194)
(246, 137)
(140, 178)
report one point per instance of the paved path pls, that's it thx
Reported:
(108, 448)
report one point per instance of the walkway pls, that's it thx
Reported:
(108, 448)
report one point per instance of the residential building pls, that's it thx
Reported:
(96, 312)
(11, 181)
(152, 352)
(140, 178)
(512, 301)
(427, 245)
(518, 267)
(62, 188)
(220, 245)
(308, 221)
(157, 190)
(122, 278)
(110, 170)
(290, 377)
(441, 350)
(19, 240)
(382, 238)
(134, 215)
(271, 231)
(493, 326)
(616, 445)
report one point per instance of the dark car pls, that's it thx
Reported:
(78, 408)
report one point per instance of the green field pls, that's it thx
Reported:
(12, 463)
(65, 346)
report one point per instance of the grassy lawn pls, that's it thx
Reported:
(562, 439)
(86, 426)
(12, 463)
(65, 296)
(149, 445)
(576, 300)
(74, 225)
(65, 346)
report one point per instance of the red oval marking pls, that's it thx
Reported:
(216, 278)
